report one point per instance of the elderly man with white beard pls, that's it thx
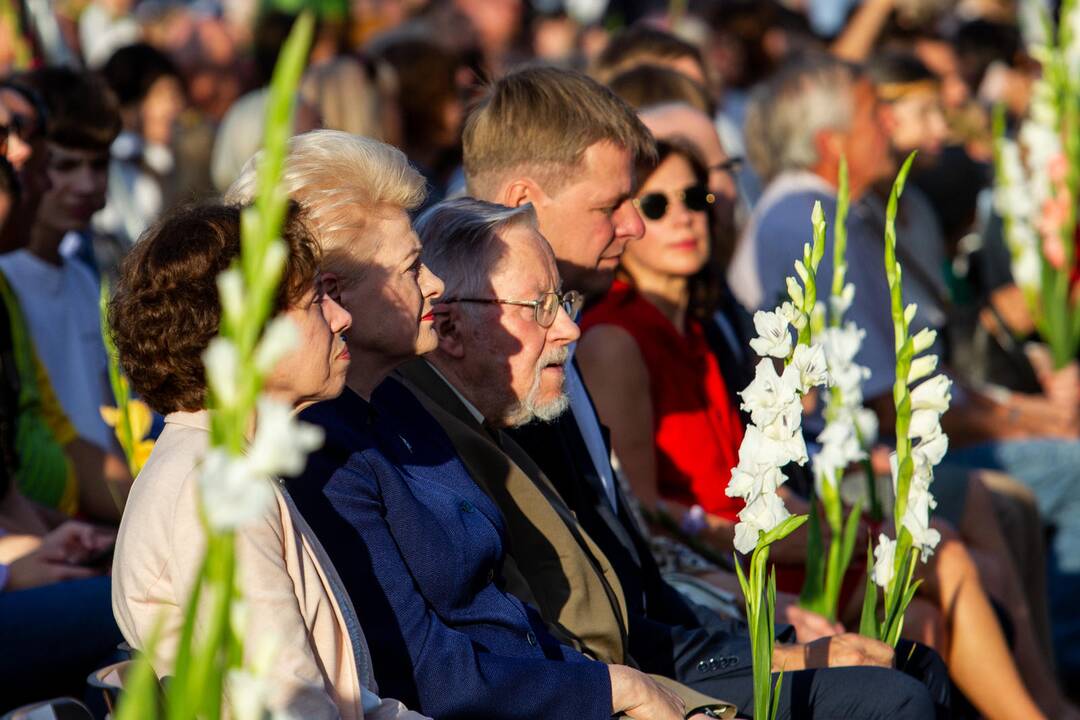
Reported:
(504, 328)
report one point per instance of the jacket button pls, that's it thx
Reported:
(703, 666)
(466, 506)
(713, 664)
(531, 637)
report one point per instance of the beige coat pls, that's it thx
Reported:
(283, 572)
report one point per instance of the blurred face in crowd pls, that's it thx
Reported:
(590, 219)
(29, 157)
(389, 294)
(916, 121)
(675, 207)
(160, 108)
(17, 148)
(683, 120)
(864, 144)
(315, 370)
(78, 179)
(511, 364)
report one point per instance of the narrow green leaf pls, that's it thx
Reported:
(868, 622)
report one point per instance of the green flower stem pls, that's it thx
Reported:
(900, 590)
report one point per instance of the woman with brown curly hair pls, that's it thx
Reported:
(164, 314)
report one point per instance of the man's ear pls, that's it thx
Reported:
(827, 144)
(331, 285)
(448, 327)
(518, 192)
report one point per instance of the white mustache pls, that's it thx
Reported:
(555, 356)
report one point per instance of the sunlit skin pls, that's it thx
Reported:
(79, 180)
(508, 362)
(589, 220)
(389, 293)
(677, 245)
(316, 367)
(916, 121)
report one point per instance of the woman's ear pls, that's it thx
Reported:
(449, 330)
(331, 285)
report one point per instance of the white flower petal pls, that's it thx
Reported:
(774, 336)
(884, 561)
(222, 363)
(933, 394)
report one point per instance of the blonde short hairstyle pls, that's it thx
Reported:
(340, 180)
(541, 120)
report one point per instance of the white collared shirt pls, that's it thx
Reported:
(589, 424)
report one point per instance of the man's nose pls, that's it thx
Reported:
(628, 223)
(564, 330)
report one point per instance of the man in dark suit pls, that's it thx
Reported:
(500, 364)
(567, 146)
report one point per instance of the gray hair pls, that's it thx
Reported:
(336, 177)
(461, 241)
(786, 114)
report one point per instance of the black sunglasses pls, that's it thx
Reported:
(696, 198)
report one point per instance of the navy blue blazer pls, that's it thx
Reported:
(418, 545)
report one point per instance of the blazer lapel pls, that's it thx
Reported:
(505, 471)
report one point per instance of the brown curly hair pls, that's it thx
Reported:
(166, 309)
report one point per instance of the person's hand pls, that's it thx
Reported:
(636, 695)
(809, 625)
(75, 542)
(846, 650)
(56, 556)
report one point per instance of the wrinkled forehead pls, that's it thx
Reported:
(527, 264)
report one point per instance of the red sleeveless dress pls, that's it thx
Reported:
(696, 427)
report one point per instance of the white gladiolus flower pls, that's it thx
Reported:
(278, 339)
(274, 259)
(770, 395)
(762, 514)
(811, 365)
(839, 443)
(752, 479)
(933, 394)
(921, 367)
(795, 291)
(867, 422)
(925, 423)
(924, 340)
(231, 290)
(233, 492)
(222, 363)
(1027, 269)
(909, 312)
(884, 561)
(774, 337)
(840, 305)
(247, 694)
(774, 444)
(917, 519)
(842, 343)
(931, 449)
(793, 315)
(281, 442)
